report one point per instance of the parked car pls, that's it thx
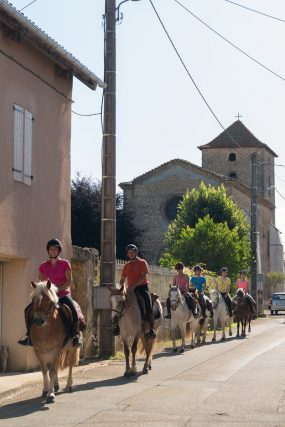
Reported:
(278, 302)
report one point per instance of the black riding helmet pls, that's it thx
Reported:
(131, 247)
(179, 266)
(224, 269)
(56, 243)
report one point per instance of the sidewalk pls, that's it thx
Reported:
(12, 382)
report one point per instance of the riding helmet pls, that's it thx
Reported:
(131, 247)
(242, 272)
(56, 243)
(179, 266)
(224, 269)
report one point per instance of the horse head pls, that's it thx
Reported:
(240, 296)
(117, 302)
(175, 297)
(215, 296)
(44, 299)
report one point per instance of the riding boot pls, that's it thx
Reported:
(116, 329)
(168, 307)
(26, 340)
(76, 340)
(151, 333)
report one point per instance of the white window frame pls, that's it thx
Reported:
(23, 132)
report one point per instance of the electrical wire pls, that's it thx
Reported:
(27, 5)
(232, 44)
(281, 195)
(86, 115)
(282, 166)
(256, 11)
(193, 81)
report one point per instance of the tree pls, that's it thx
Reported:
(209, 229)
(86, 216)
(275, 278)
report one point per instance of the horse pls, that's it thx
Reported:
(182, 317)
(203, 322)
(243, 313)
(125, 311)
(52, 345)
(220, 312)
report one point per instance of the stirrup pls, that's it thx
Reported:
(25, 340)
(116, 330)
(76, 341)
(150, 334)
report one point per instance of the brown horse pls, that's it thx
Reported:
(243, 313)
(126, 311)
(52, 345)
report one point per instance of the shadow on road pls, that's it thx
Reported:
(23, 408)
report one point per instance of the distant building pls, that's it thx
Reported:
(151, 199)
(35, 129)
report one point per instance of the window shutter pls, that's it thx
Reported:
(28, 148)
(18, 142)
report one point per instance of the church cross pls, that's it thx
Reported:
(238, 116)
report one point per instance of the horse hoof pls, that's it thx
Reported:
(175, 350)
(213, 339)
(145, 370)
(230, 333)
(127, 374)
(223, 339)
(181, 350)
(56, 388)
(192, 346)
(68, 389)
(150, 367)
(132, 374)
(44, 394)
(50, 398)
(237, 335)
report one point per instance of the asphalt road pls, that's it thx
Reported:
(240, 382)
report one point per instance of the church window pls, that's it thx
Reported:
(233, 175)
(232, 157)
(171, 207)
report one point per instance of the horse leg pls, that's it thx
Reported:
(199, 334)
(204, 332)
(44, 370)
(133, 370)
(127, 359)
(249, 321)
(149, 345)
(173, 330)
(215, 327)
(230, 326)
(52, 375)
(183, 330)
(223, 330)
(56, 384)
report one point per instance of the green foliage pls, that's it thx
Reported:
(86, 217)
(274, 278)
(210, 229)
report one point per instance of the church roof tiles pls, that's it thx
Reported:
(240, 134)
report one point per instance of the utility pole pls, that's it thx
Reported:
(253, 268)
(108, 213)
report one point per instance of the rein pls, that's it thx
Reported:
(41, 321)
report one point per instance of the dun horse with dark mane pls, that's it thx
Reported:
(52, 344)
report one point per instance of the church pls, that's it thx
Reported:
(151, 199)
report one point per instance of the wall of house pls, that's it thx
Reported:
(31, 214)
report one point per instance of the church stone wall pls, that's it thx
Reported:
(217, 159)
(145, 202)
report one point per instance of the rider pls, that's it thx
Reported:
(58, 270)
(223, 285)
(135, 273)
(182, 281)
(199, 282)
(242, 283)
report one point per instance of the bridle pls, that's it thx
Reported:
(121, 312)
(179, 295)
(41, 318)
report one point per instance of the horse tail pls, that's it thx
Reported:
(188, 331)
(69, 358)
(141, 346)
(145, 346)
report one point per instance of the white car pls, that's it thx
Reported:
(278, 302)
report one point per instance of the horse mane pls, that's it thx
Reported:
(240, 293)
(41, 289)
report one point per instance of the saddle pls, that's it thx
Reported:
(67, 318)
(141, 305)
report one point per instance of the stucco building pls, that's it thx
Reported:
(35, 128)
(151, 199)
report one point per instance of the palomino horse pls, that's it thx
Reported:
(243, 314)
(220, 312)
(182, 317)
(125, 311)
(203, 323)
(52, 346)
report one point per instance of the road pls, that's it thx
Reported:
(240, 382)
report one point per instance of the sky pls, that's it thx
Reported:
(160, 113)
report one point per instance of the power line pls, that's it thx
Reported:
(86, 115)
(193, 81)
(256, 11)
(232, 44)
(27, 5)
(282, 166)
(281, 195)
